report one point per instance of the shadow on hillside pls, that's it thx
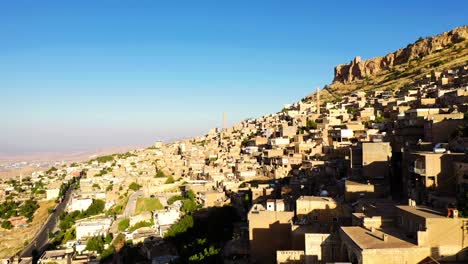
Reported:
(198, 238)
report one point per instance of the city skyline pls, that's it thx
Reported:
(89, 75)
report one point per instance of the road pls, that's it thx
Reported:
(131, 204)
(41, 240)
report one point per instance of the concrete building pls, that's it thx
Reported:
(370, 160)
(420, 233)
(315, 209)
(52, 193)
(56, 257)
(269, 231)
(87, 228)
(79, 204)
(430, 173)
(164, 219)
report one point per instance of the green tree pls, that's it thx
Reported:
(28, 209)
(311, 124)
(107, 254)
(69, 235)
(185, 223)
(108, 238)
(7, 225)
(134, 186)
(189, 205)
(96, 207)
(190, 195)
(95, 244)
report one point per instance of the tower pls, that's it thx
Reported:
(318, 100)
(224, 120)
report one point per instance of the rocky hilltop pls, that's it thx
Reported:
(400, 68)
(359, 69)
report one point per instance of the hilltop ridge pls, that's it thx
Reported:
(359, 69)
(401, 67)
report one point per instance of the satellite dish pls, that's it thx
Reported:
(324, 193)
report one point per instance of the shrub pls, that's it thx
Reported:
(7, 225)
(134, 186)
(160, 174)
(174, 198)
(169, 180)
(189, 205)
(311, 124)
(123, 224)
(180, 227)
(28, 209)
(96, 207)
(108, 238)
(104, 159)
(140, 225)
(107, 253)
(190, 195)
(95, 244)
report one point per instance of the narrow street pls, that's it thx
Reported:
(131, 204)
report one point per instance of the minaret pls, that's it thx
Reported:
(318, 100)
(224, 120)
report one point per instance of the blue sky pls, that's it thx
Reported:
(92, 74)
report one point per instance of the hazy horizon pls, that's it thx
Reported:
(78, 76)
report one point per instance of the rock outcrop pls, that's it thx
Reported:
(359, 69)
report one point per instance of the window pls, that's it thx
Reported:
(315, 217)
(335, 219)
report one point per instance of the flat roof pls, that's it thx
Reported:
(365, 239)
(427, 152)
(422, 211)
(317, 198)
(51, 254)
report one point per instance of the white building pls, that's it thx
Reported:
(95, 227)
(163, 219)
(279, 141)
(79, 204)
(53, 194)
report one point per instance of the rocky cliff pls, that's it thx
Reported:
(359, 69)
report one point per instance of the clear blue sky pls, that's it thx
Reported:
(91, 74)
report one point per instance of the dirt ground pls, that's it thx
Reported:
(11, 241)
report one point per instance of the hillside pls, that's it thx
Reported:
(400, 68)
